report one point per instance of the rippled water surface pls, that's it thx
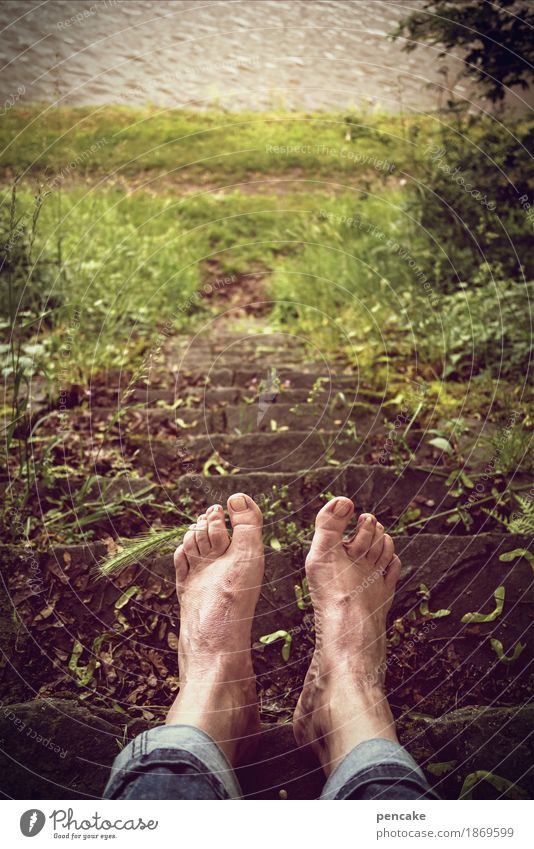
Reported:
(238, 55)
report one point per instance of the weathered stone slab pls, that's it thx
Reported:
(62, 749)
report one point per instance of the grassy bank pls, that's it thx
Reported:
(226, 145)
(383, 236)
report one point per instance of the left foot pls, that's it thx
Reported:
(218, 580)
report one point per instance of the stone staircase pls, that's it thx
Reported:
(90, 662)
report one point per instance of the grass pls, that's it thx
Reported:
(117, 266)
(135, 221)
(106, 139)
(139, 209)
(107, 270)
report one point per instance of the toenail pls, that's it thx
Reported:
(238, 503)
(341, 508)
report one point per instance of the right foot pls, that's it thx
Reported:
(351, 585)
(218, 582)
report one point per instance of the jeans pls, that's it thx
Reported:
(183, 762)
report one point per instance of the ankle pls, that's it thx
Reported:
(225, 711)
(355, 717)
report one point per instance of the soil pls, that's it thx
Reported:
(108, 646)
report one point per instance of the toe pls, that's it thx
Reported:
(393, 574)
(202, 536)
(362, 540)
(190, 546)
(388, 551)
(246, 518)
(330, 524)
(377, 544)
(180, 564)
(219, 539)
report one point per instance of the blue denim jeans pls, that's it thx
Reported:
(183, 762)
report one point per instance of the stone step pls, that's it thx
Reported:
(249, 376)
(418, 494)
(221, 395)
(432, 662)
(218, 340)
(81, 744)
(206, 361)
(235, 419)
(164, 459)
(253, 452)
(376, 489)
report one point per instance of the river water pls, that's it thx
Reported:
(241, 54)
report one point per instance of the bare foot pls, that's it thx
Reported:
(218, 582)
(351, 586)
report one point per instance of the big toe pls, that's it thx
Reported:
(246, 519)
(330, 524)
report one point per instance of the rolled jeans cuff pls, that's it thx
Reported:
(375, 760)
(173, 746)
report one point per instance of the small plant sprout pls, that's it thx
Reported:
(498, 648)
(126, 596)
(498, 595)
(184, 425)
(302, 594)
(213, 463)
(423, 607)
(267, 639)
(441, 768)
(501, 785)
(508, 556)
